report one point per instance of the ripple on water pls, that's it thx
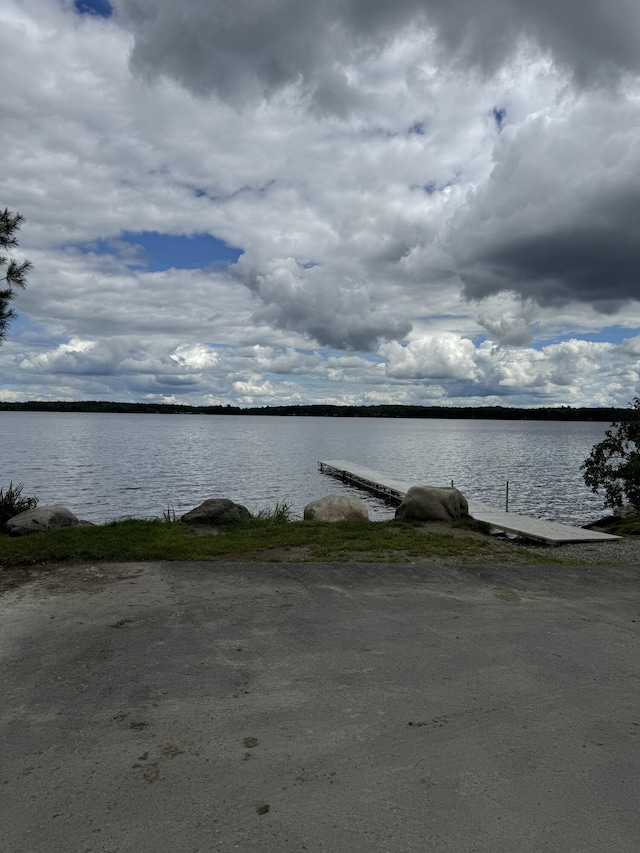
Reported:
(107, 466)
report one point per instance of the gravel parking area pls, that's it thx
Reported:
(623, 551)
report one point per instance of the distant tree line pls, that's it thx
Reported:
(563, 413)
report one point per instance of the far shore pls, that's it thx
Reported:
(548, 413)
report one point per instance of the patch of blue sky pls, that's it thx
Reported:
(21, 325)
(480, 339)
(609, 334)
(433, 187)
(165, 251)
(23, 330)
(293, 378)
(155, 252)
(336, 353)
(431, 317)
(259, 190)
(212, 195)
(372, 357)
(499, 114)
(375, 131)
(101, 8)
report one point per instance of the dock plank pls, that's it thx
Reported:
(550, 532)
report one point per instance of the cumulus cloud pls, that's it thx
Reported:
(507, 329)
(435, 357)
(570, 373)
(631, 346)
(77, 356)
(198, 356)
(325, 304)
(508, 320)
(114, 357)
(290, 362)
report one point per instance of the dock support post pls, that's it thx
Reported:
(506, 507)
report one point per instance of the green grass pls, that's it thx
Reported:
(266, 538)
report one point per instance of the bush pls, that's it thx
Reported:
(12, 503)
(614, 464)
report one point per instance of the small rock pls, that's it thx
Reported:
(216, 511)
(39, 519)
(432, 503)
(336, 508)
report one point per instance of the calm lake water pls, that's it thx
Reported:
(108, 466)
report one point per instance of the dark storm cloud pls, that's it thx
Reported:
(247, 49)
(558, 220)
(596, 260)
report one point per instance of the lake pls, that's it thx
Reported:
(105, 466)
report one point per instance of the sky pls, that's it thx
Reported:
(268, 202)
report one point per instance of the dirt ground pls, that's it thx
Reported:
(285, 707)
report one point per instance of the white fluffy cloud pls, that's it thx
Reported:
(437, 357)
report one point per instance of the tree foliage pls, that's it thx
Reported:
(614, 464)
(14, 275)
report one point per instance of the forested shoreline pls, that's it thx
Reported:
(563, 413)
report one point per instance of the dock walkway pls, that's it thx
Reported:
(395, 488)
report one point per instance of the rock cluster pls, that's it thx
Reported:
(421, 503)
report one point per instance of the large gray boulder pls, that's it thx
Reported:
(336, 508)
(41, 518)
(215, 512)
(432, 503)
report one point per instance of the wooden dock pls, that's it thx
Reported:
(394, 489)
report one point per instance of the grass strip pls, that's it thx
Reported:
(260, 539)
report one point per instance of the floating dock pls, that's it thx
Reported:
(394, 489)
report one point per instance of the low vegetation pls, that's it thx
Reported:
(626, 526)
(13, 502)
(266, 538)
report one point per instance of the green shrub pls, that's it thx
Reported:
(614, 463)
(13, 503)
